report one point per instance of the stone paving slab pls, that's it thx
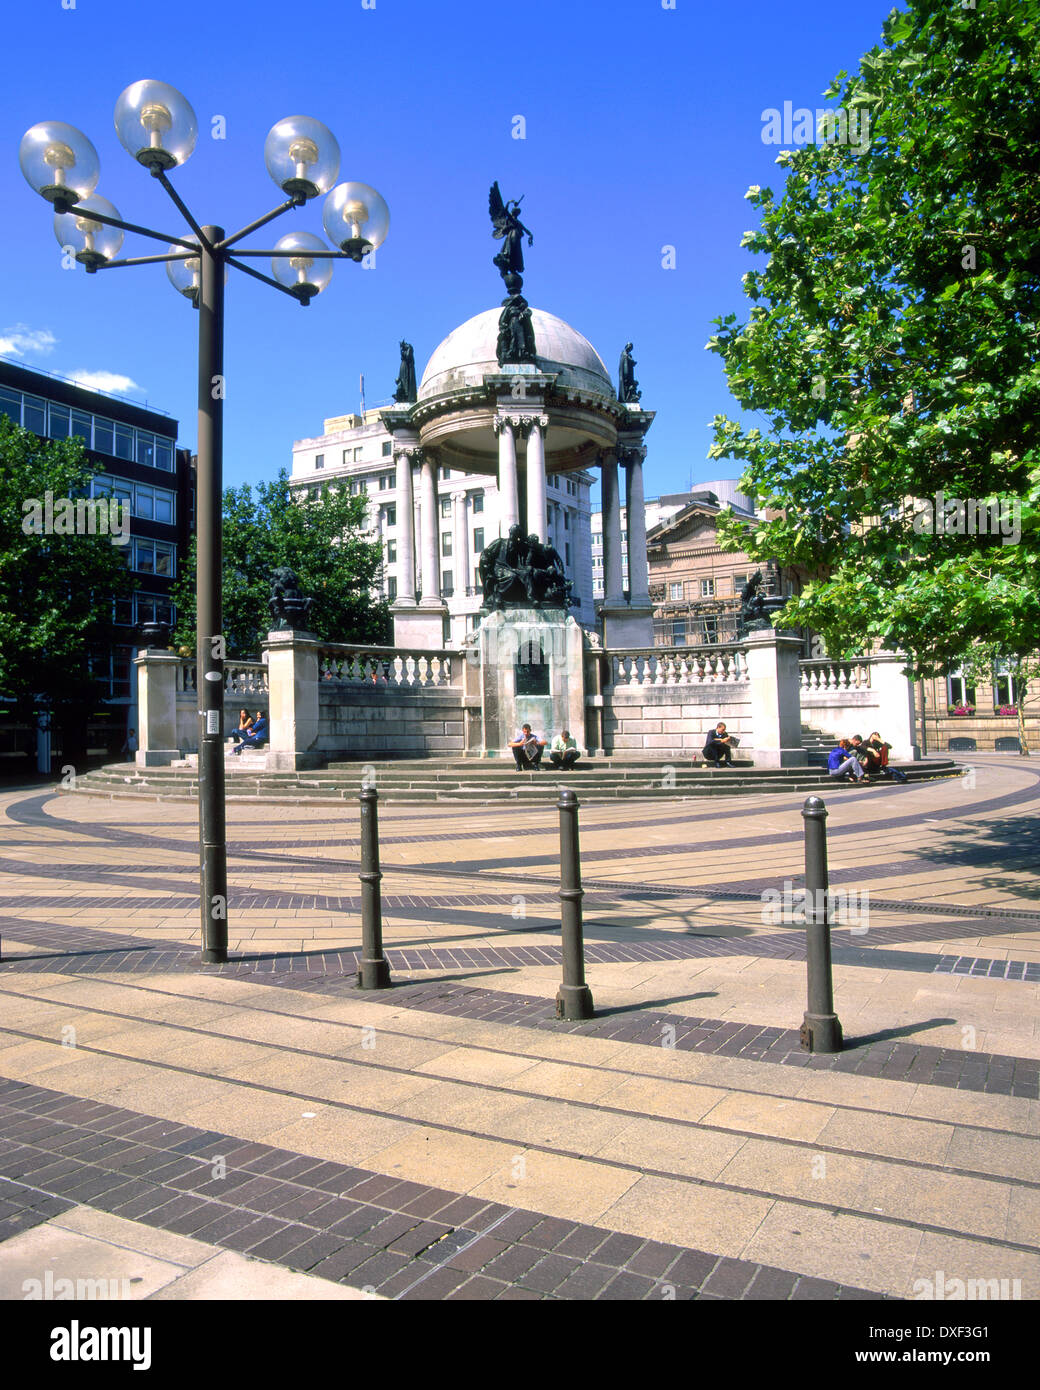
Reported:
(631, 1154)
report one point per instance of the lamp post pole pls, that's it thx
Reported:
(157, 126)
(210, 650)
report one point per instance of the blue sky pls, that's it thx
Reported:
(643, 130)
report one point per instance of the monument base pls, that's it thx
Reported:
(627, 626)
(532, 672)
(418, 625)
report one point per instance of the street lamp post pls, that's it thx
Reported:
(157, 125)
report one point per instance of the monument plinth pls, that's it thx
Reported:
(532, 672)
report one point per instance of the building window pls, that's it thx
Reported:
(710, 627)
(960, 696)
(444, 474)
(707, 588)
(1005, 688)
(319, 461)
(388, 448)
(478, 502)
(447, 584)
(11, 404)
(391, 587)
(34, 414)
(347, 454)
(58, 417)
(445, 506)
(478, 539)
(153, 557)
(153, 608)
(358, 453)
(566, 521)
(386, 481)
(391, 552)
(675, 591)
(390, 515)
(446, 543)
(567, 553)
(679, 633)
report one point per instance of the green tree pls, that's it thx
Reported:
(319, 538)
(56, 590)
(892, 346)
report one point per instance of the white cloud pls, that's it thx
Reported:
(114, 382)
(22, 340)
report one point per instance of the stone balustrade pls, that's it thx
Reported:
(391, 668)
(240, 678)
(718, 665)
(835, 675)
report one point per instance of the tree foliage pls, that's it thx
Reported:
(319, 538)
(892, 346)
(56, 590)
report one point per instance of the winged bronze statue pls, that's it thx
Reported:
(507, 227)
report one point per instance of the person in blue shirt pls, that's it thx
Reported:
(256, 735)
(842, 762)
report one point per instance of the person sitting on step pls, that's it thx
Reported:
(563, 751)
(842, 764)
(527, 748)
(256, 735)
(717, 747)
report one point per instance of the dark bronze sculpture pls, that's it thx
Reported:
(756, 606)
(515, 332)
(628, 388)
(289, 608)
(507, 227)
(405, 391)
(521, 572)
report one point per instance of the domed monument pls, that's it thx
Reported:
(516, 393)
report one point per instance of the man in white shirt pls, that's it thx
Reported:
(563, 751)
(527, 748)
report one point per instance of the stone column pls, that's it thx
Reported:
(157, 744)
(613, 583)
(774, 687)
(460, 542)
(405, 528)
(431, 573)
(508, 498)
(537, 512)
(895, 705)
(293, 688)
(635, 511)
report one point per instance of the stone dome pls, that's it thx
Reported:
(468, 354)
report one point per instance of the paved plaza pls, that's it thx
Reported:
(265, 1129)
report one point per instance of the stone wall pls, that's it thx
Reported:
(382, 723)
(856, 697)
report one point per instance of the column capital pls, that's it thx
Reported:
(519, 423)
(628, 454)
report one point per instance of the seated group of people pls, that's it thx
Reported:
(528, 748)
(251, 731)
(854, 760)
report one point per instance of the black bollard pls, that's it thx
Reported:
(821, 1029)
(574, 1001)
(374, 971)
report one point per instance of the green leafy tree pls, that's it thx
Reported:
(56, 590)
(319, 538)
(892, 346)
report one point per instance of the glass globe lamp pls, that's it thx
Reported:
(94, 242)
(186, 276)
(356, 219)
(156, 124)
(59, 162)
(302, 156)
(301, 274)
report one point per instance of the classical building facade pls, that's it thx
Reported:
(356, 452)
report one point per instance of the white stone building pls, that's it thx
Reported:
(357, 452)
